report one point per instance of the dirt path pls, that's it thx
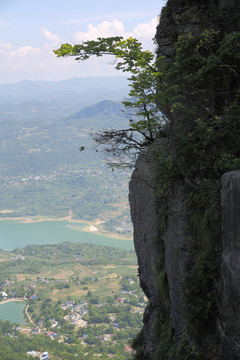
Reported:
(29, 317)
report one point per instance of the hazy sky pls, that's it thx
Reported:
(31, 29)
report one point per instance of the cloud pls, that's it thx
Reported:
(29, 62)
(49, 36)
(22, 58)
(6, 46)
(144, 32)
(24, 52)
(104, 29)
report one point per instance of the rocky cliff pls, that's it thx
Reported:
(229, 278)
(177, 251)
(190, 314)
(144, 214)
(173, 250)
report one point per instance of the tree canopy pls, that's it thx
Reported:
(146, 121)
(182, 100)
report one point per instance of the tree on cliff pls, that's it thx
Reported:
(197, 91)
(146, 121)
(204, 65)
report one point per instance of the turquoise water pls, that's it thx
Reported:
(13, 311)
(14, 234)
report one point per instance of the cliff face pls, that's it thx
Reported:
(174, 248)
(229, 279)
(144, 214)
(177, 251)
(175, 21)
(165, 253)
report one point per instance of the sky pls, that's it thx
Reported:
(31, 29)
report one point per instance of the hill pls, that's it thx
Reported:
(42, 170)
(103, 108)
(48, 99)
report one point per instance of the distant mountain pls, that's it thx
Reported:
(50, 90)
(42, 170)
(105, 107)
(35, 100)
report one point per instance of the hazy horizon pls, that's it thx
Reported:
(29, 34)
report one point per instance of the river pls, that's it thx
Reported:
(15, 234)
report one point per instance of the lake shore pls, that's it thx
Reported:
(91, 225)
(30, 220)
(108, 234)
(11, 299)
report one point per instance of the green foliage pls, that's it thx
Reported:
(202, 137)
(162, 284)
(200, 291)
(207, 146)
(185, 350)
(202, 71)
(198, 93)
(137, 345)
(144, 113)
(88, 48)
(16, 347)
(52, 259)
(163, 332)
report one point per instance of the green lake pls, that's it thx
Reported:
(14, 234)
(13, 311)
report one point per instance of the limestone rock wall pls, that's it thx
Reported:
(178, 245)
(152, 246)
(144, 214)
(175, 245)
(229, 282)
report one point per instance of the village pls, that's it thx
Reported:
(88, 321)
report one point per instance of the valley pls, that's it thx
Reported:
(80, 294)
(42, 171)
(67, 256)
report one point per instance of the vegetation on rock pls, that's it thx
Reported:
(192, 100)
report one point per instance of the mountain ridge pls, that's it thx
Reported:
(34, 88)
(104, 107)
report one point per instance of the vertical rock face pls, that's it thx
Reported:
(178, 244)
(144, 214)
(151, 246)
(229, 283)
(175, 246)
